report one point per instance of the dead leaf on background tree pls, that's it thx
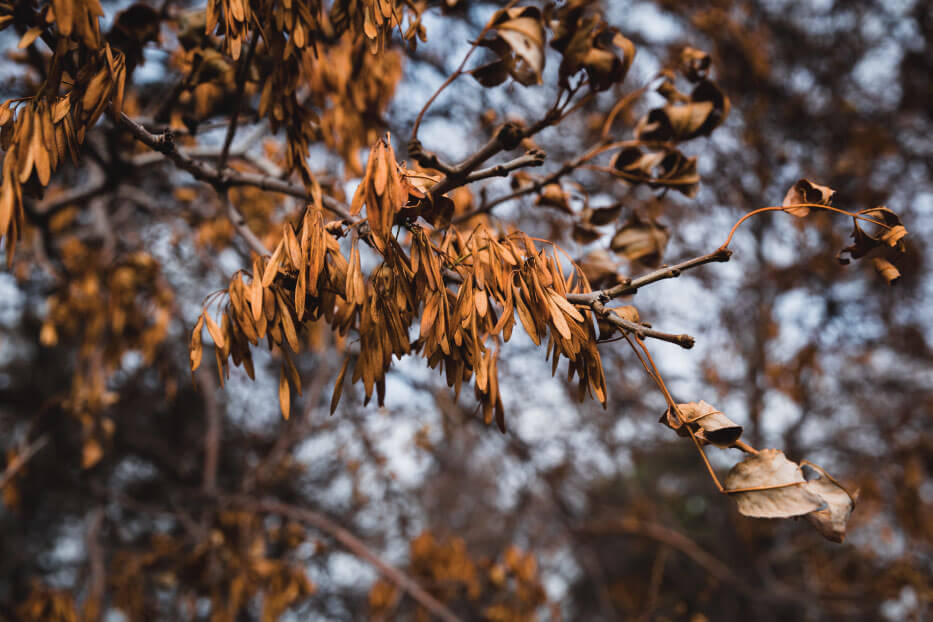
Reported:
(641, 241)
(709, 424)
(585, 233)
(552, 195)
(588, 43)
(805, 191)
(519, 43)
(667, 168)
(886, 269)
(694, 63)
(702, 112)
(600, 216)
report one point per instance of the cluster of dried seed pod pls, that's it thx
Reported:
(36, 133)
(465, 291)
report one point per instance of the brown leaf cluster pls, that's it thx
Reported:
(464, 291)
(506, 588)
(37, 133)
(106, 309)
(240, 562)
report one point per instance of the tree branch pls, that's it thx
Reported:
(221, 180)
(354, 545)
(21, 459)
(238, 100)
(533, 157)
(684, 341)
(630, 286)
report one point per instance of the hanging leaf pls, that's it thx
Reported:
(709, 424)
(599, 269)
(830, 521)
(641, 241)
(195, 350)
(887, 270)
(587, 43)
(768, 485)
(519, 44)
(705, 110)
(889, 234)
(552, 195)
(805, 191)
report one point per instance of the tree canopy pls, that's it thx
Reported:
(334, 309)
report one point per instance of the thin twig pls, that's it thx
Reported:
(238, 99)
(212, 429)
(784, 208)
(220, 180)
(22, 458)
(354, 545)
(684, 341)
(630, 286)
(456, 74)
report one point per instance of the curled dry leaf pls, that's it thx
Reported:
(709, 424)
(588, 43)
(552, 195)
(887, 270)
(599, 269)
(768, 485)
(886, 238)
(519, 43)
(641, 241)
(585, 233)
(694, 63)
(805, 191)
(667, 168)
(830, 521)
(702, 112)
(600, 216)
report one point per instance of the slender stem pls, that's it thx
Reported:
(456, 74)
(238, 99)
(684, 341)
(656, 375)
(21, 458)
(784, 208)
(630, 286)
(354, 545)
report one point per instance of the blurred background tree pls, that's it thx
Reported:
(134, 489)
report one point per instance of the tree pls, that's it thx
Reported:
(153, 154)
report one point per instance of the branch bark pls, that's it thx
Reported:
(354, 545)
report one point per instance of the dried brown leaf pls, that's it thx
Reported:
(779, 488)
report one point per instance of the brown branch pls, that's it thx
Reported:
(221, 180)
(239, 223)
(676, 541)
(630, 286)
(21, 458)
(212, 430)
(536, 186)
(534, 157)
(98, 570)
(238, 100)
(95, 185)
(640, 330)
(354, 545)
